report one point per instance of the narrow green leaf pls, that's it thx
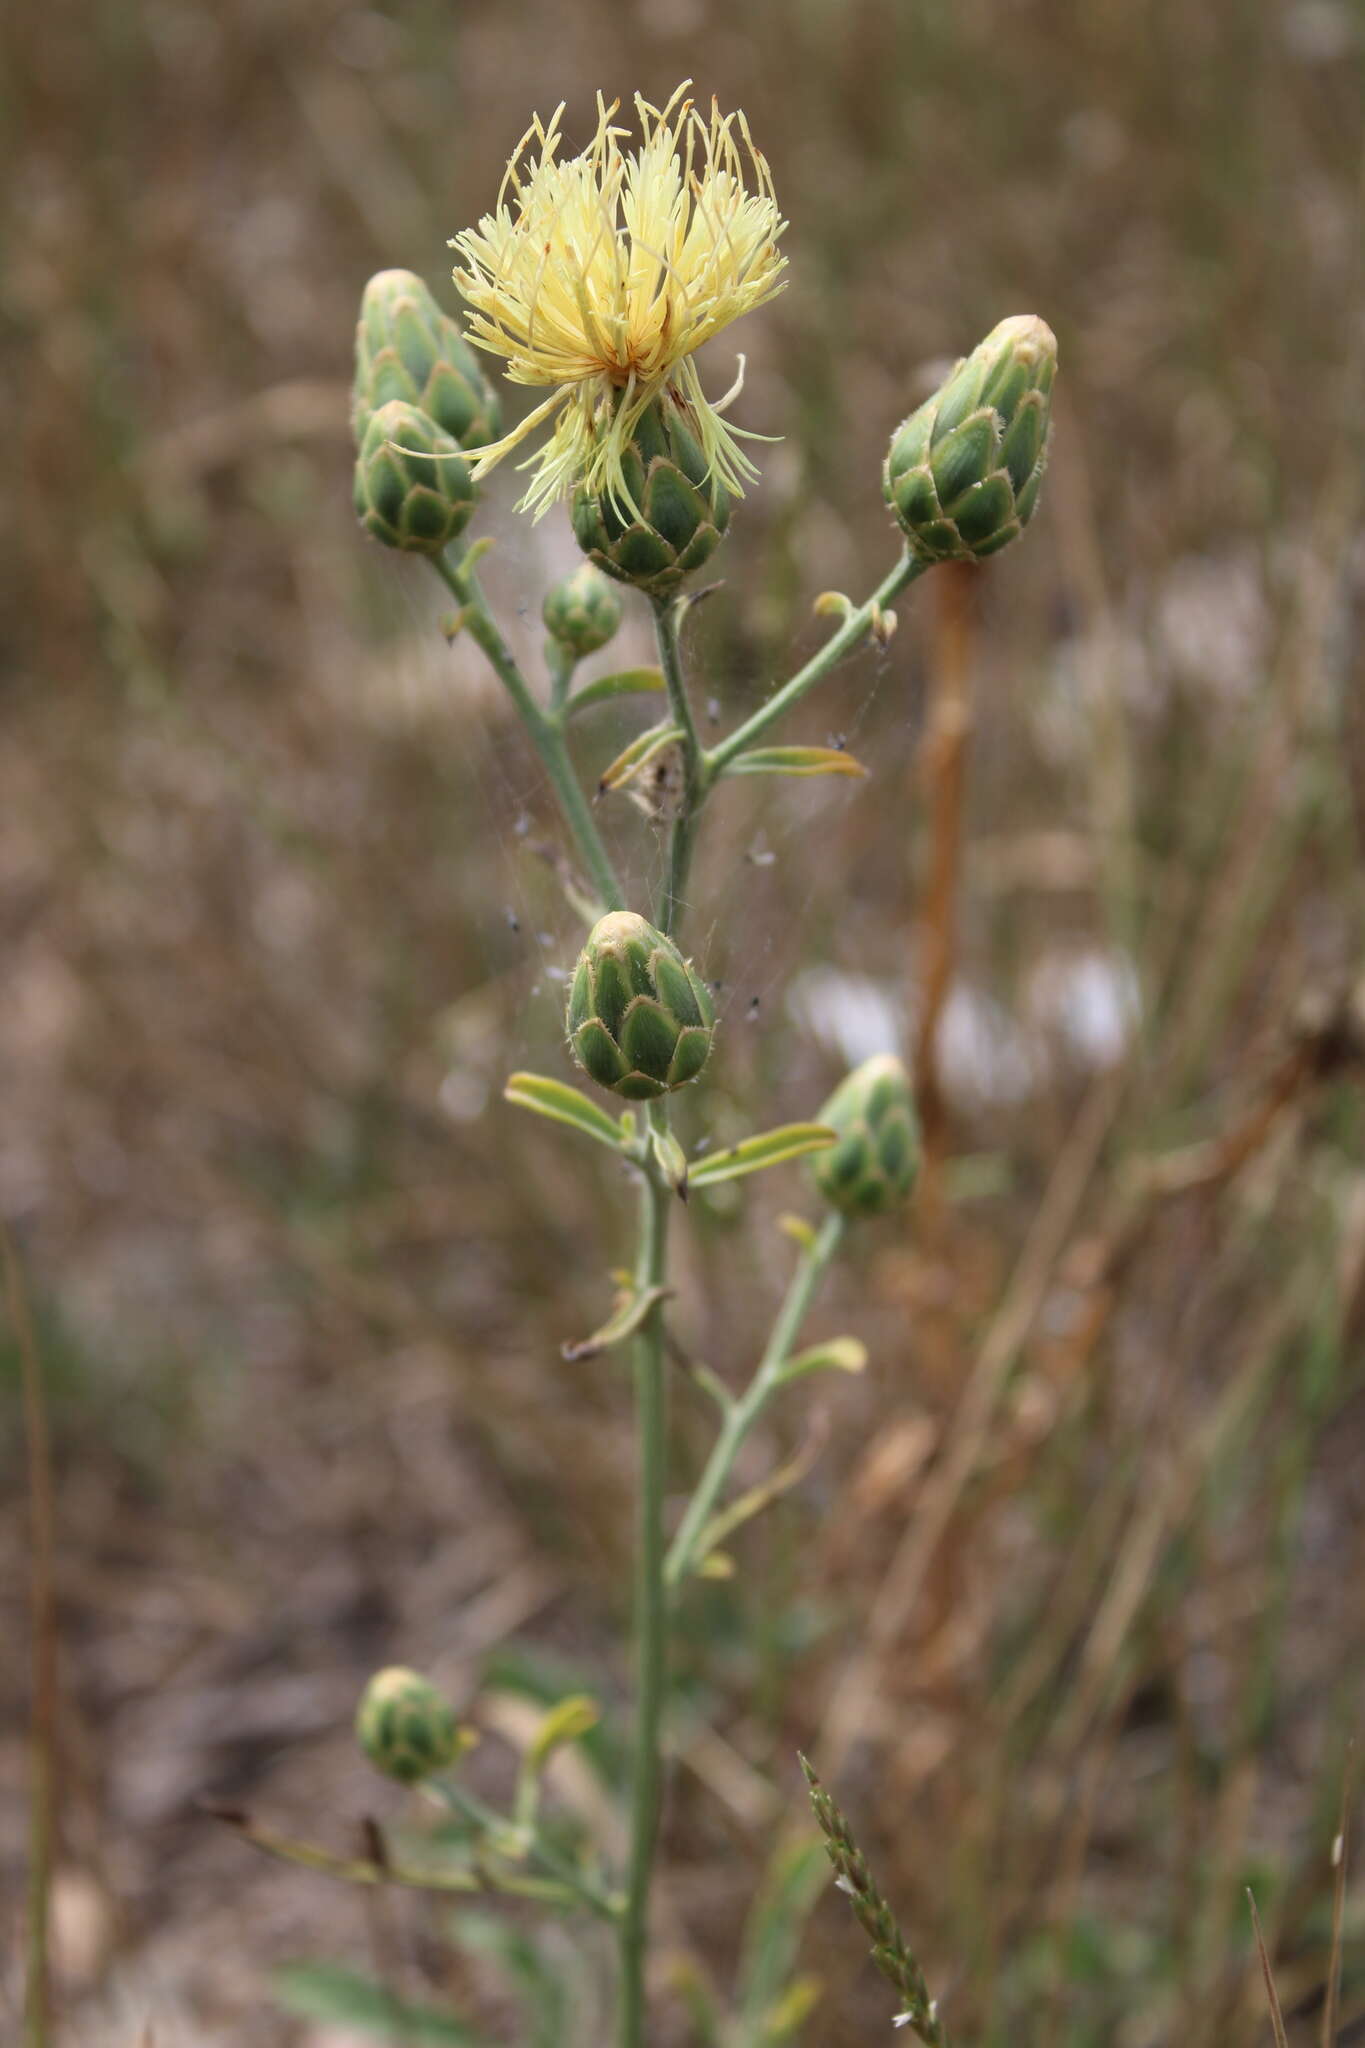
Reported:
(840, 1354)
(670, 1159)
(795, 761)
(624, 1320)
(752, 1155)
(799, 1231)
(329, 1991)
(563, 1105)
(626, 682)
(786, 2017)
(737, 1512)
(544, 1678)
(792, 1883)
(638, 754)
(570, 1721)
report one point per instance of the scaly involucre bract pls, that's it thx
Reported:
(599, 276)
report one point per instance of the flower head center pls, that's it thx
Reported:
(599, 275)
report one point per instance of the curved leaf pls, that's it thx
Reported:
(752, 1155)
(624, 1320)
(625, 682)
(563, 1105)
(838, 1354)
(795, 761)
(638, 754)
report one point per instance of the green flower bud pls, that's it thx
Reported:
(676, 513)
(406, 347)
(402, 497)
(962, 474)
(405, 1727)
(582, 611)
(874, 1163)
(639, 1018)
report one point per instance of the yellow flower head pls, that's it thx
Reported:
(600, 276)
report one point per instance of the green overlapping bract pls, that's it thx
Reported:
(640, 1019)
(413, 489)
(581, 611)
(677, 511)
(962, 474)
(407, 348)
(405, 1726)
(873, 1165)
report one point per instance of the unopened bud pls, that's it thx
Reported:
(963, 473)
(639, 1018)
(406, 347)
(405, 1727)
(412, 486)
(582, 611)
(675, 514)
(873, 1165)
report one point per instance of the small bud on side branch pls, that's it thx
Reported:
(872, 1166)
(963, 473)
(412, 485)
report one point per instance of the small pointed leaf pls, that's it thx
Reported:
(795, 761)
(768, 1148)
(670, 1159)
(626, 682)
(737, 1512)
(798, 1230)
(840, 1354)
(791, 2011)
(563, 1105)
(638, 754)
(570, 1721)
(624, 1320)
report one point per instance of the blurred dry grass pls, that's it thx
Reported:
(275, 925)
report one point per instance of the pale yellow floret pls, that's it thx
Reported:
(600, 276)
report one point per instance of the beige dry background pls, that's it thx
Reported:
(276, 920)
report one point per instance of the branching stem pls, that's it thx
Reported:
(684, 1553)
(855, 628)
(492, 1825)
(659, 1569)
(545, 728)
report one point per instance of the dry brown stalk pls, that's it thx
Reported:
(43, 1637)
(941, 770)
(1053, 1224)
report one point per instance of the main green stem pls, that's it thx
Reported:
(651, 1607)
(659, 1569)
(545, 728)
(696, 779)
(703, 766)
(742, 1415)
